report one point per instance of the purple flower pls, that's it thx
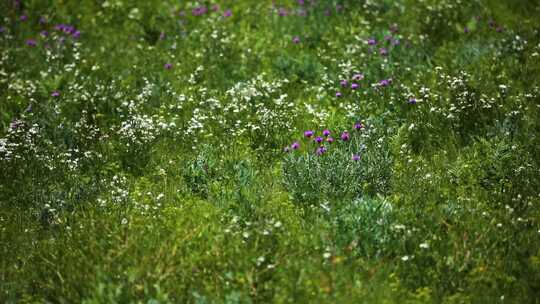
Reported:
(466, 30)
(296, 40)
(345, 136)
(2, 29)
(44, 33)
(295, 145)
(385, 82)
(338, 94)
(300, 2)
(358, 77)
(282, 12)
(227, 13)
(395, 42)
(330, 139)
(412, 101)
(320, 150)
(326, 132)
(308, 133)
(354, 86)
(42, 20)
(31, 42)
(343, 83)
(371, 41)
(318, 139)
(168, 66)
(358, 126)
(55, 94)
(355, 157)
(23, 18)
(201, 10)
(383, 52)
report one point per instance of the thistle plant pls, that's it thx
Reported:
(320, 167)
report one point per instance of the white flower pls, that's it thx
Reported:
(424, 245)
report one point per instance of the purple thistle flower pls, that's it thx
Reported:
(308, 133)
(42, 20)
(345, 136)
(354, 86)
(296, 40)
(326, 132)
(201, 10)
(330, 140)
(44, 33)
(343, 83)
(320, 150)
(385, 82)
(412, 101)
(55, 94)
(227, 13)
(371, 41)
(395, 42)
(31, 42)
(358, 77)
(168, 66)
(355, 157)
(358, 126)
(338, 94)
(295, 145)
(318, 139)
(23, 18)
(383, 52)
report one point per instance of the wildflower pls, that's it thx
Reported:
(76, 35)
(385, 82)
(318, 139)
(345, 136)
(371, 41)
(330, 140)
(168, 66)
(358, 77)
(355, 157)
(295, 145)
(338, 94)
(343, 83)
(296, 40)
(23, 18)
(2, 29)
(287, 149)
(395, 42)
(412, 101)
(320, 150)
(383, 52)
(308, 133)
(354, 86)
(326, 132)
(44, 33)
(227, 13)
(31, 42)
(466, 30)
(358, 126)
(42, 20)
(55, 94)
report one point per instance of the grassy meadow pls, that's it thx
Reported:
(258, 151)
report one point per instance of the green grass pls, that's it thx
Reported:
(140, 183)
